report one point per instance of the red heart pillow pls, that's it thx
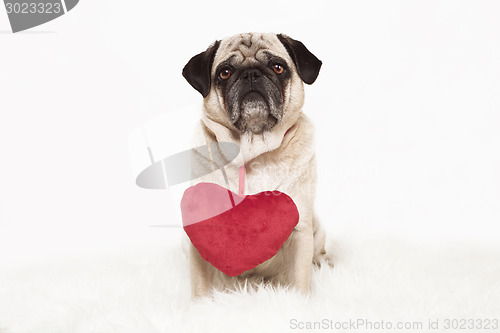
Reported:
(236, 233)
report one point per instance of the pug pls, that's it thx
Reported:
(253, 92)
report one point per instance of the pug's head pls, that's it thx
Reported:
(253, 82)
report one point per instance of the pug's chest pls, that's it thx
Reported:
(267, 175)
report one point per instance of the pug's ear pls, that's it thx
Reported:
(308, 65)
(198, 70)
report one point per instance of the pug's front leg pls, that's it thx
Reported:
(200, 274)
(303, 251)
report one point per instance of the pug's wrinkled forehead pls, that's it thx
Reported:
(250, 48)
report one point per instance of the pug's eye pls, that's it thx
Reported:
(225, 74)
(278, 69)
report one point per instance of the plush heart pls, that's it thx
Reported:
(236, 233)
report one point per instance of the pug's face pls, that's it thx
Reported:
(253, 82)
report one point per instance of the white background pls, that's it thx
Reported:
(406, 107)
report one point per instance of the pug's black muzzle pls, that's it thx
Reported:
(255, 102)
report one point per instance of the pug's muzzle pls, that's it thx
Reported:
(254, 101)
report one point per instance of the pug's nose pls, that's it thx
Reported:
(252, 74)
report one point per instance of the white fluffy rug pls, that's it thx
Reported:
(144, 291)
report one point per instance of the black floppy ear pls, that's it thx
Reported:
(307, 64)
(198, 70)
